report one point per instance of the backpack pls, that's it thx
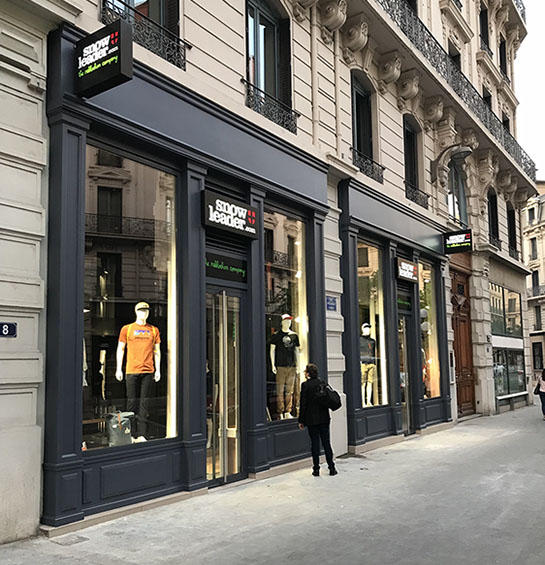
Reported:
(328, 396)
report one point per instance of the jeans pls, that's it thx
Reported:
(285, 385)
(542, 396)
(317, 433)
(138, 397)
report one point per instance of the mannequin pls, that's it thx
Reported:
(284, 353)
(142, 344)
(368, 363)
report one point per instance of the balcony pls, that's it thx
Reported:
(410, 24)
(281, 260)
(123, 226)
(495, 241)
(521, 9)
(514, 253)
(536, 291)
(367, 166)
(146, 32)
(268, 106)
(486, 48)
(414, 194)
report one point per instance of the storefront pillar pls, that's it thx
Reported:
(258, 457)
(63, 463)
(443, 290)
(192, 341)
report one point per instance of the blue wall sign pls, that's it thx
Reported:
(331, 303)
(8, 329)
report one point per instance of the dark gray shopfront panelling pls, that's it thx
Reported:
(401, 233)
(201, 137)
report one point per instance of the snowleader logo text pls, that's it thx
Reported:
(230, 215)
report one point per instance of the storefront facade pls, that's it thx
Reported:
(395, 339)
(146, 216)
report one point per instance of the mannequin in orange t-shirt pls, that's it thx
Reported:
(141, 341)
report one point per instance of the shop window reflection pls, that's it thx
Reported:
(374, 389)
(130, 358)
(431, 374)
(285, 311)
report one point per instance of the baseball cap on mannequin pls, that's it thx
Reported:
(141, 306)
(286, 317)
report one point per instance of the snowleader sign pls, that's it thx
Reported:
(457, 242)
(230, 215)
(104, 59)
(407, 270)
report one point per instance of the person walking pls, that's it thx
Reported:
(541, 383)
(315, 417)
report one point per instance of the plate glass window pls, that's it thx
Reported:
(130, 307)
(374, 389)
(285, 311)
(431, 373)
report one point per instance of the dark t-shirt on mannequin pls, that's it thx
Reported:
(285, 343)
(367, 350)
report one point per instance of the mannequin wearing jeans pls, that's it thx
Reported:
(141, 342)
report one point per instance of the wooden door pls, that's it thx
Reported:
(463, 349)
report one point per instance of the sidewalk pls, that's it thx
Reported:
(459, 497)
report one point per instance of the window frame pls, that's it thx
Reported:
(411, 153)
(359, 133)
(504, 306)
(537, 355)
(493, 218)
(457, 198)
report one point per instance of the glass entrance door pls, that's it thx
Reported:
(404, 374)
(223, 386)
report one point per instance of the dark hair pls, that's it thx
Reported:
(312, 371)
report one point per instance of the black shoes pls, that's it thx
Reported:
(333, 471)
(316, 473)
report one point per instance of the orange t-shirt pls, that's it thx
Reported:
(140, 340)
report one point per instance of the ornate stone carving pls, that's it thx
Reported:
(503, 180)
(502, 15)
(509, 192)
(446, 129)
(469, 138)
(521, 197)
(333, 17)
(407, 87)
(513, 36)
(433, 111)
(355, 36)
(389, 69)
(488, 167)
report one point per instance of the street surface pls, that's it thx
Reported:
(470, 495)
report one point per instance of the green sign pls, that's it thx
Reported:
(226, 268)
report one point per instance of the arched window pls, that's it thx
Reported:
(457, 204)
(493, 225)
(268, 44)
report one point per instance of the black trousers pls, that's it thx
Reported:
(138, 399)
(317, 433)
(542, 396)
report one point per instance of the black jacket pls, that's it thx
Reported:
(311, 412)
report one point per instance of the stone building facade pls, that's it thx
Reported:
(373, 127)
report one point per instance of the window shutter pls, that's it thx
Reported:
(172, 16)
(284, 62)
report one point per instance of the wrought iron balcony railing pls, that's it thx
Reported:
(270, 107)
(146, 32)
(521, 9)
(414, 194)
(281, 259)
(495, 241)
(367, 166)
(538, 290)
(417, 32)
(486, 48)
(127, 227)
(514, 253)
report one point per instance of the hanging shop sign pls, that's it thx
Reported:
(407, 270)
(226, 268)
(8, 329)
(230, 215)
(457, 242)
(104, 59)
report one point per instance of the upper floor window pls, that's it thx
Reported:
(512, 227)
(493, 225)
(457, 205)
(537, 317)
(535, 279)
(483, 24)
(455, 55)
(506, 121)
(410, 146)
(531, 215)
(413, 4)
(268, 63)
(487, 97)
(505, 311)
(503, 56)
(533, 248)
(163, 12)
(362, 132)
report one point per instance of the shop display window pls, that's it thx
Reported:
(374, 385)
(285, 311)
(130, 306)
(509, 373)
(431, 371)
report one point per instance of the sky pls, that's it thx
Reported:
(530, 86)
